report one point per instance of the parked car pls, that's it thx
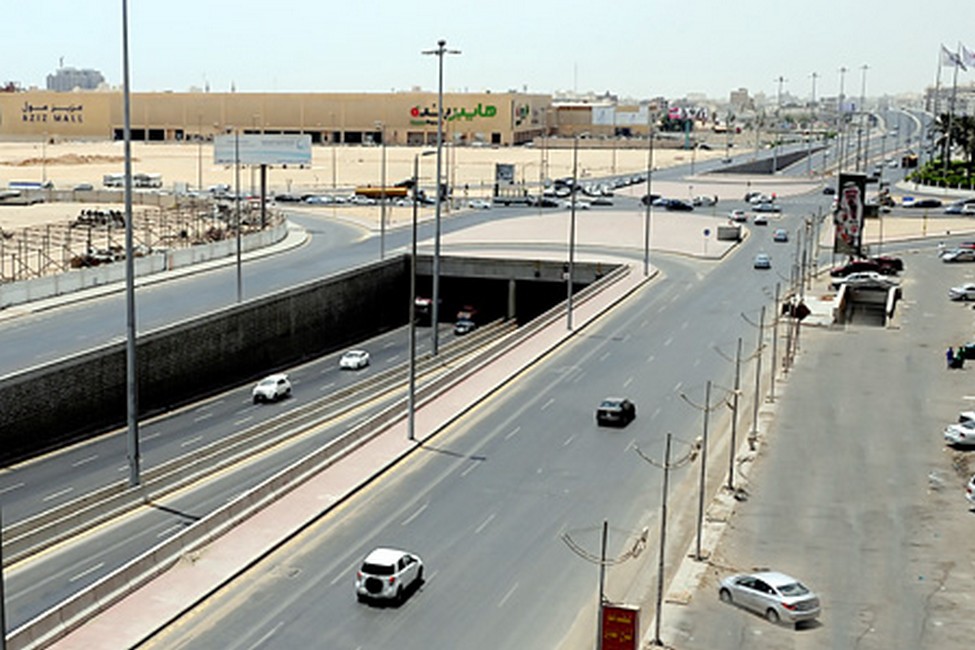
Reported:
(479, 204)
(704, 201)
(866, 280)
(958, 255)
(354, 360)
(580, 205)
(960, 434)
(602, 201)
(863, 265)
(763, 261)
(272, 388)
(738, 216)
(649, 198)
(962, 292)
(780, 235)
(615, 411)
(84, 187)
(774, 595)
(388, 574)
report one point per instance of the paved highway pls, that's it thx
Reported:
(486, 503)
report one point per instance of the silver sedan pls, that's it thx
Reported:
(774, 595)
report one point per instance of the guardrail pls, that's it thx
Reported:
(29, 536)
(61, 619)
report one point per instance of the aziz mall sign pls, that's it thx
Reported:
(71, 113)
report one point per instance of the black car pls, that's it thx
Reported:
(880, 264)
(829, 190)
(926, 203)
(615, 411)
(649, 198)
(676, 205)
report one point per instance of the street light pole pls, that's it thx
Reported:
(572, 230)
(240, 281)
(382, 192)
(840, 125)
(411, 388)
(439, 52)
(649, 207)
(663, 544)
(131, 379)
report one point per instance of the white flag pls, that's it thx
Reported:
(967, 57)
(949, 58)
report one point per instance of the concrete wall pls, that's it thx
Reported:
(79, 396)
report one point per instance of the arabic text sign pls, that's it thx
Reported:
(621, 627)
(428, 114)
(255, 149)
(69, 113)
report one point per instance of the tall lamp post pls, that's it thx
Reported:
(572, 230)
(381, 127)
(131, 385)
(411, 389)
(649, 207)
(439, 52)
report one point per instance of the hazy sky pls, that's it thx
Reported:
(637, 48)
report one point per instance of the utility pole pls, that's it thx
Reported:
(840, 123)
(439, 53)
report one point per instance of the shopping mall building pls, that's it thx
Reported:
(350, 118)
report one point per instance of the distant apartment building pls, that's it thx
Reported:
(740, 101)
(68, 79)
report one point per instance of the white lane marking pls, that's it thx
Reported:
(191, 441)
(484, 524)
(59, 493)
(150, 436)
(203, 417)
(84, 461)
(670, 339)
(386, 346)
(470, 468)
(266, 636)
(241, 421)
(513, 433)
(392, 358)
(217, 403)
(604, 356)
(651, 358)
(171, 529)
(408, 520)
(508, 595)
(11, 488)
(678, 386)
(628, 382)
(551, 400)
(656, 412)
(86, 572)
(328, 385)
(344, 575)
(568, 441)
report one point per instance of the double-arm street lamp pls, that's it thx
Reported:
(411, 390)
(439, 52)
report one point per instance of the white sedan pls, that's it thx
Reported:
(962, 292)
(961, 434)
(479, 204)
(866, 280)
(354, 360)
(774, 595)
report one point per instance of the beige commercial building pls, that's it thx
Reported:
(348, 118)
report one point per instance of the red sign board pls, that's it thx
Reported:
(621, 627)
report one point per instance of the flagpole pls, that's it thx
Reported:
(951, 110)
(937, 85)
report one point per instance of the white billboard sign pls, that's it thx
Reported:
(257, 149)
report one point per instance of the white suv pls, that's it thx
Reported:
(272, 388)
(388, 574)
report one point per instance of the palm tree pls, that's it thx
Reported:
(938, 132)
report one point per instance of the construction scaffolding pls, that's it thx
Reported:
(97, 236)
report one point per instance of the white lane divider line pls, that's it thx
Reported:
(513, 433)
(84, 461)
(191, 441)
(11, 488)
(508, 595)
(551, 400)
(408, 520)
(59, 493)
(484, 524)
(86, 572)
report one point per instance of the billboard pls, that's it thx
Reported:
(504, 174)
(620, 628)
(258, 149)
(848, 214)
